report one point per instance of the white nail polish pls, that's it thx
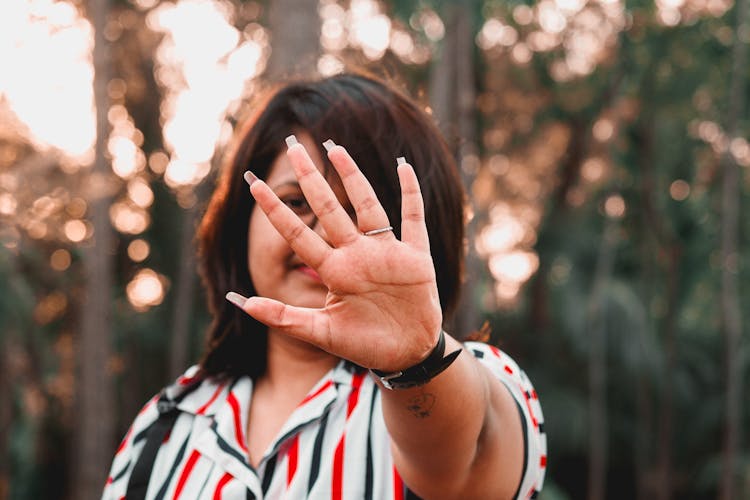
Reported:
(400, 160)
(291, 141)
(329, 145)
(249, 178)
(236, 299)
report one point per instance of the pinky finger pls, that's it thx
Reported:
(413, 228)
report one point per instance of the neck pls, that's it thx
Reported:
(294, 365)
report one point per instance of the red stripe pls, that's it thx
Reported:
(186, 473)
(291, 467)
(338, 470)
(220, 486)
(183, 380)
(354, 395)
(148, 405)
(398, 486)
(509, 369)
(124, 441)
(208, 403)
(237, 421)
(317, 393)
(495, 351)
(338, 457)
(543, 461)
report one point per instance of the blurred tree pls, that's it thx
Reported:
(295, 29)
(730, 298)
(95, 427)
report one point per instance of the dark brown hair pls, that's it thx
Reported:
(377, 124)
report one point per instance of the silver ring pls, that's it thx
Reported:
(378, 231)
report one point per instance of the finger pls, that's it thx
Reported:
(321, 198)
(370, 212)
(413, 227)
(305, 242)
(309, 325)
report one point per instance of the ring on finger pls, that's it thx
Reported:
(373, 232)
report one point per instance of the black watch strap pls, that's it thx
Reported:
(420, 373)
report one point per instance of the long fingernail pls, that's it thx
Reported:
(236, 299)
(250, 178)
(329, 145)
(400, 160)
(291, 141)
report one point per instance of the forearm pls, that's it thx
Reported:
(461, 429)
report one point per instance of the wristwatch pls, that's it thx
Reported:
(420, 373)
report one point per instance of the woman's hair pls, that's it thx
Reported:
(376, 124)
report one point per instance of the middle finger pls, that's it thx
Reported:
(321, 198)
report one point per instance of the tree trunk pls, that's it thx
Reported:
(182, 312)
(95, 429)
(730, 299)
(295, 46)
(453, 97)
(597, 371)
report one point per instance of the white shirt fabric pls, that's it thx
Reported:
(335, 445)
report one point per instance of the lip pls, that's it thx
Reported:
(309, 272)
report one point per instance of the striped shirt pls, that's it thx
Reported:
(335, 444)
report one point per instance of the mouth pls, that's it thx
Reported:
(309, 272)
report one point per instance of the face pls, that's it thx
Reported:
(276, 271)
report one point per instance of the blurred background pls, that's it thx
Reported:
(603, 144)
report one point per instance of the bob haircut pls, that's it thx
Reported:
(376, 124)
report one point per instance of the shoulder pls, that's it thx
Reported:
(191, 394)
(506, 370)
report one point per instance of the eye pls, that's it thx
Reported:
(297, 203)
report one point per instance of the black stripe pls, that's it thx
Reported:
(317, 449)
(187, 390)
(296, 429)
(368, 469)
(141, 435)
(119, 475)
(268, 474)
(208, 476)
(228, 449)
(477, 353)
(250, 495)
(177, 461)
(141, 474)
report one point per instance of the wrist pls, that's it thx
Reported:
(421, 373)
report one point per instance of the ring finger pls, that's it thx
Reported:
(371, 215)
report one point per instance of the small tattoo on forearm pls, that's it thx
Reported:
(420, 406)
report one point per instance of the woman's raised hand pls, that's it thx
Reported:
(382, 309)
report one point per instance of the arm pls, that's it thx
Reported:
(469, 440)
(458, 436)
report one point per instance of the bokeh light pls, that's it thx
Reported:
(146, 290)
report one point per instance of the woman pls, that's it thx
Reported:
(344, 256)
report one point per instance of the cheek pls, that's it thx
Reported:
(265, 244)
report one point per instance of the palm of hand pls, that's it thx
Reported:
(382, 309)
(378, 291)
